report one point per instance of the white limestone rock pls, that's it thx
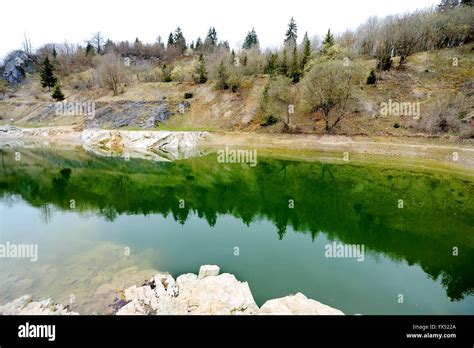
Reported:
(208, 271)
(297, 304)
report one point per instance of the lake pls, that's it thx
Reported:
(104, 223)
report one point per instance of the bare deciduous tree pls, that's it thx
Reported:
(328, 88)
(98, 42)
(111, 72)
(409, 35)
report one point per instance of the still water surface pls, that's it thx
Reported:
(240, 218)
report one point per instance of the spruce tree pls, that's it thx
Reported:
(291, 33)
(179, 40)
(171, 40)
(295, 72)
(201, 69)
(57, 93)
(251, 40)
(306, 51)
(328, 41)
(284, 63)
(211, 38)
(47, 74)
(222, 76)
(198, 43)
(89, 49)
(272, 64)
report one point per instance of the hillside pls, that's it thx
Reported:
(444, 91)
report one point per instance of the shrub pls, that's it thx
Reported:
(57, 94)
(372, 78)
(269, 120)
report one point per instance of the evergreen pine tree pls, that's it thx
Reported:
(171, 40)
(89, 49)
(222, 76)
(211, 38)
(57, 93)
(291, 33)
(295, 72)
(306, 51)
(251, 40)
(179, 40)
(47, 74)
(284, 63)
(55, 53)
(272, 64)
(201, 69)
(328, 41)
(198, 43)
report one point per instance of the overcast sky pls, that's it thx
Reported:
(46, 21)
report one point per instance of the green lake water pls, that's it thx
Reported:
(86, 212)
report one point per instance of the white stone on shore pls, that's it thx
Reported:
(26, 306)
(297, 304)
(208, 270)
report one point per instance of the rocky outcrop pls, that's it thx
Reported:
(165, 145)
(211, 293)
(153, 145)
(26, 306)
(136, 114)
(190, 294)
(17, 64)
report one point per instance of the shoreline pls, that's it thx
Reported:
(208, 293)
(434, 152)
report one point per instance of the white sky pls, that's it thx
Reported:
(56, 20)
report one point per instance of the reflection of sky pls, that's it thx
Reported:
(273, 267)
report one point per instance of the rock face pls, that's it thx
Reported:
(137, 114)
(26, 306)
(297, 304)
(17, 64)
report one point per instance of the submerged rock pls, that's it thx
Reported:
(26, 306)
